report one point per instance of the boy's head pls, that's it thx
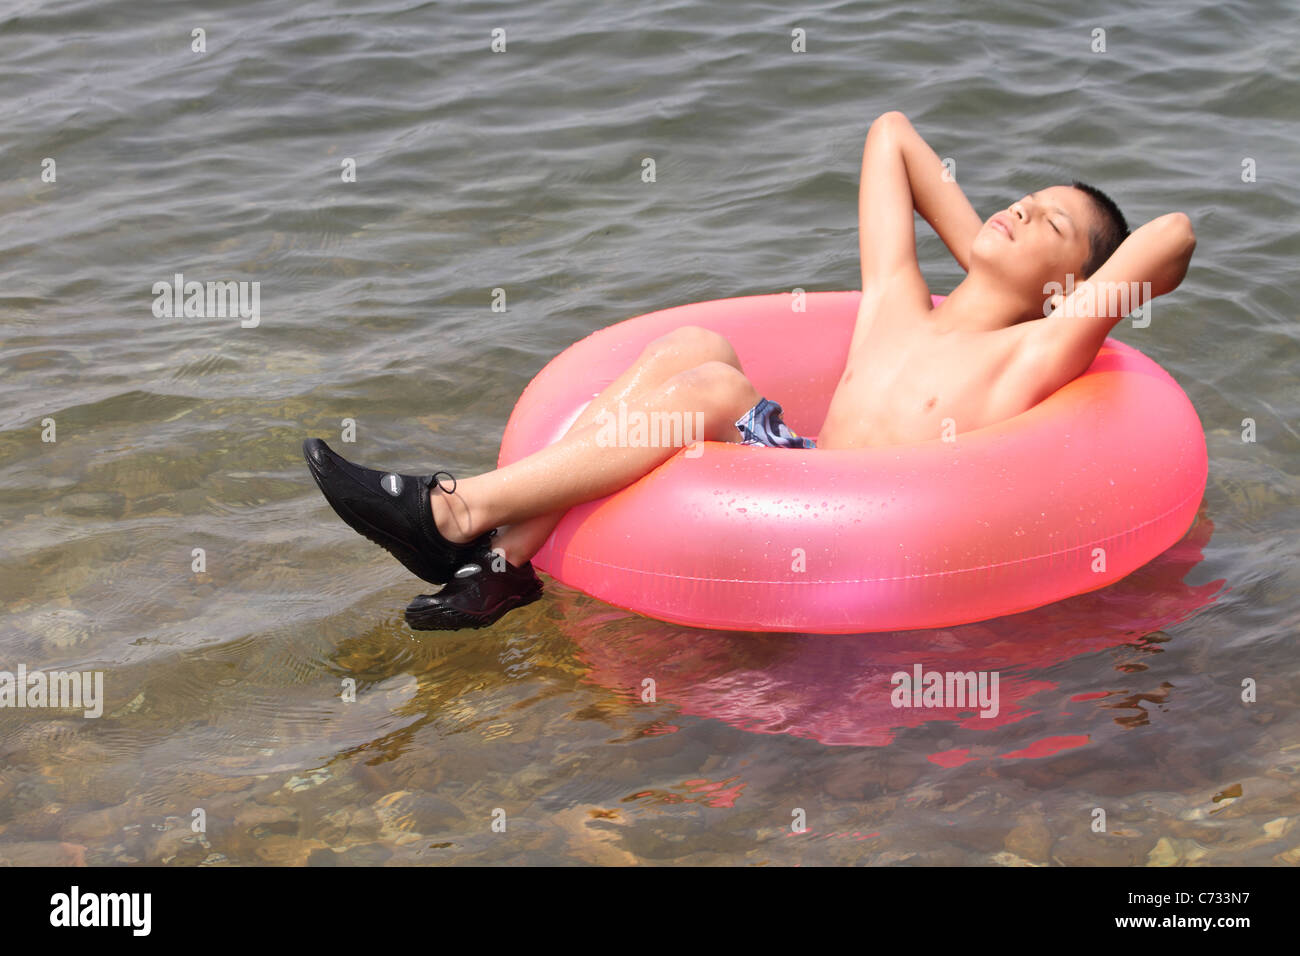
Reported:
(1049, 234)
(1108, 231)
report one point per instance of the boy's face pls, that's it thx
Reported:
(1037, 240)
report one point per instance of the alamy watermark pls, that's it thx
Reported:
(1100, 298)
(639, 429)
(192, 299)
(950, 690)
(57, 690)
(75, 908)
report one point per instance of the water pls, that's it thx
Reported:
(521, 171)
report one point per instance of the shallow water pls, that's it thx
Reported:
(522, 171)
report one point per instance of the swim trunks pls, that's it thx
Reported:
(762, 425)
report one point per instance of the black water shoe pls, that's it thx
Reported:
(480, 593)
(391, 510)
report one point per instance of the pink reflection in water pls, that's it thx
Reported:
(836, 688)
(1047, 746)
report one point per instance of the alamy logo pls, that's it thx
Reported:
(59, 690)
(639, 429)
(1094, 298)
(102, 909)
(199, 300)
(956, 690)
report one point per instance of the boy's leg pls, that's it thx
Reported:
(580, 468)
(430, 531)
(679, 350)
(688, 370)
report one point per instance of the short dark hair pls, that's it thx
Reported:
(1108, 230)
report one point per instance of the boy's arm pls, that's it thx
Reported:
(1150, 262)
(936, 195)
(901, 174)
(886, 236)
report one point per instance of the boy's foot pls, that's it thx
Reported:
(391, 510)
(477, 596)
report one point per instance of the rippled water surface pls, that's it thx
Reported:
(522, 170)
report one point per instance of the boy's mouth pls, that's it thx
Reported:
(1001, 223)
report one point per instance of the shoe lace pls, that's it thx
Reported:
(433, 479)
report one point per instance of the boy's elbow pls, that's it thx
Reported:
(1180, 227)
(1188, 237)
(1182, 244)
(1179, 240)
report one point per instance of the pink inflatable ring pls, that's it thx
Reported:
(1067, 497)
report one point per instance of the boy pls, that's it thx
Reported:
(995, 347)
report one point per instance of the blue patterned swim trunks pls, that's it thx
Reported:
(762, 425)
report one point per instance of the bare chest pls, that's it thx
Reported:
(904, 388)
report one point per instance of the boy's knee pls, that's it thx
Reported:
(717, 388)
(694, 344)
